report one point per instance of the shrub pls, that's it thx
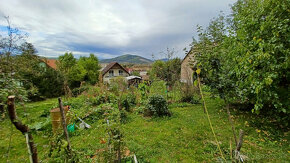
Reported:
(80, 90)
(128, 101)
(117, 85)
(125, 103)
(140, 110)
(158, 88)
(144, 89)
(157, 106)
(104, 98)
(189, 94)
(190, 99)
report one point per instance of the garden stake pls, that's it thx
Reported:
(201, 93)
(135, 159)
(64, 124)
(24, 130)
(205, 109)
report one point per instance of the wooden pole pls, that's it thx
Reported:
(240, 143)
(205, 110)
(32, 150)
(63, 120)
(199, 85)
(232, 124)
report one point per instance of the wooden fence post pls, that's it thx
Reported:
(32, 150)
(63, 120)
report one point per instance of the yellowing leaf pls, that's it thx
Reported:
(268, 81)
(198, 71)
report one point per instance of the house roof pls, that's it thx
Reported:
(188, 53)
(110, 65)
(51, 63)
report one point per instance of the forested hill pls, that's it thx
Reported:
(128, 58)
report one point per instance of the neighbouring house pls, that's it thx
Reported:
(113, 70)
(142, 71)
(186, 68)
(130, 70)
(50, 62)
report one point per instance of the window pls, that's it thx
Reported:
(120, 72)
(111, 73)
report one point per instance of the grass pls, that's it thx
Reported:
(183, 137)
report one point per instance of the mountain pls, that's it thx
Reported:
(163, 59)
(128, 58)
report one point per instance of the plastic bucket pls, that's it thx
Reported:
(56, 118)
(71, 128)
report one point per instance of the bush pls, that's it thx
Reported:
(190, 99)
(157, 106)
(189, 94)
(80, 90)
(128, 101)
(104, 98)
(117, 85)
(158, 88)
(144, 89)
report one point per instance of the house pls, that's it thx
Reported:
(142, 71)
(113, 70)
(49, 62)
(130, 70)
(187, 68)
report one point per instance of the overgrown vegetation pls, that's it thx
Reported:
(185, 136)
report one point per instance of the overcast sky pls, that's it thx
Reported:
(110, 28)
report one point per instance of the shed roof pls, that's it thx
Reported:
(133, 77)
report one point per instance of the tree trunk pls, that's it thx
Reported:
(22, 128)
(232, 124)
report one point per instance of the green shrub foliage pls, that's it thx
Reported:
(158, 87)
(75, 71)
(245, 59)
(128, 101)
(157, 106)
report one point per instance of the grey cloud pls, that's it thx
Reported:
(124, 26)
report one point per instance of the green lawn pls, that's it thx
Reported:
(184, 137)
